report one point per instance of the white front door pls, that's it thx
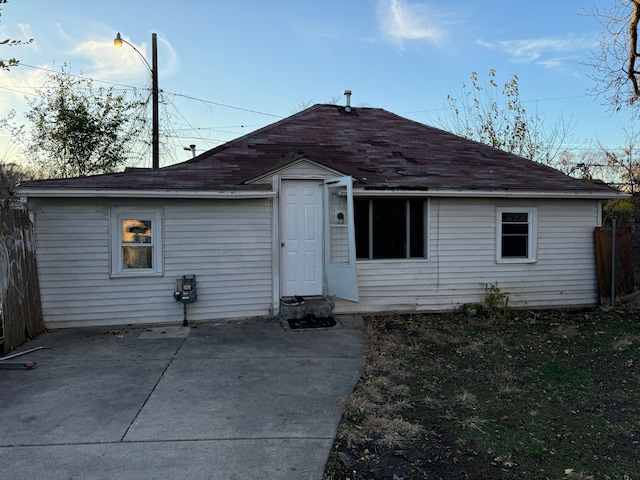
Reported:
(301, 238)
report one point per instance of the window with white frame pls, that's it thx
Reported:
(516, 234)
(136, 242)
(390, 228)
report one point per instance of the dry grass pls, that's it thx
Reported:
(565, 331)
(623, 343)
(539, 395)
(467, 400)
(392, 432)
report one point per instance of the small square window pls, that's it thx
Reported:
(516, 234)
(136, 243)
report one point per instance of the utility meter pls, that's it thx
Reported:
(186, 292)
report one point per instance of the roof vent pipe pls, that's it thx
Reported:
(347, 93)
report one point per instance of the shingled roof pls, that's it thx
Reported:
(379, 149)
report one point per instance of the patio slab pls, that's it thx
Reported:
(215, 400)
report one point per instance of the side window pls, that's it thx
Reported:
(136, 242)
(390, 228)
(516, 235)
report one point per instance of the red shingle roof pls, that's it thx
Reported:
(378, 149)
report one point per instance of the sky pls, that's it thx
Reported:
(228, 67)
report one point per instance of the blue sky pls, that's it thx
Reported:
(229, 67)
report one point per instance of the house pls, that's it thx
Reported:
(376, 211)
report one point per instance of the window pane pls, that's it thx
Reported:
(361, 218)
(389, 229)
(137, 257)
(515, 229)
(417, 228)
(515, 217)
(515, 246)
(136, 231)
(515, 234)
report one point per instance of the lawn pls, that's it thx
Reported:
(507, 395)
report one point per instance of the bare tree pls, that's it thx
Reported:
(308, 103)
(6, 64)
(496, 116)
(622, 165)
(614, 62)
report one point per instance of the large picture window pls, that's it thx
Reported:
(390, 228)
(516, 236)
(136, 243)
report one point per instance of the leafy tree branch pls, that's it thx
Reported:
(79, 130)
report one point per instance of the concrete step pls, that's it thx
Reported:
(318, 306)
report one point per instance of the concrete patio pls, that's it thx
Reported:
(210, 401)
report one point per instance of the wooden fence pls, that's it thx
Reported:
(624, 263)
(20, 307)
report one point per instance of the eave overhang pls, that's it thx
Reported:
(121, 193)
(583, 195)
(369, 192)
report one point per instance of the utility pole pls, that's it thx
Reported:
(155, 137)
(153, 69)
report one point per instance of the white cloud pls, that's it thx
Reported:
(16, 85)
(108, 62)
(541, 50)
(404, 22)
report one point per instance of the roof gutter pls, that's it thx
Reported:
(112, 193)
(357, 192)
(583, 195)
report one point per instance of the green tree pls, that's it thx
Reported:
(6, 64)
(497, 117)
(79, 130)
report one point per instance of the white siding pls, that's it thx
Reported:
(227, 244)
(462, 256)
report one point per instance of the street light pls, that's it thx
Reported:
(153, 68)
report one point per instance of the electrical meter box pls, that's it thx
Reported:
(186, 289)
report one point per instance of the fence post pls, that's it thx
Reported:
(613, 262)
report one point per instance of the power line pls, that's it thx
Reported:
(444, 109)
(226, 106)
(18, 91)
(83, 77)
(186, 121)
(219, 129)
(189, 97)
(197, 130)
